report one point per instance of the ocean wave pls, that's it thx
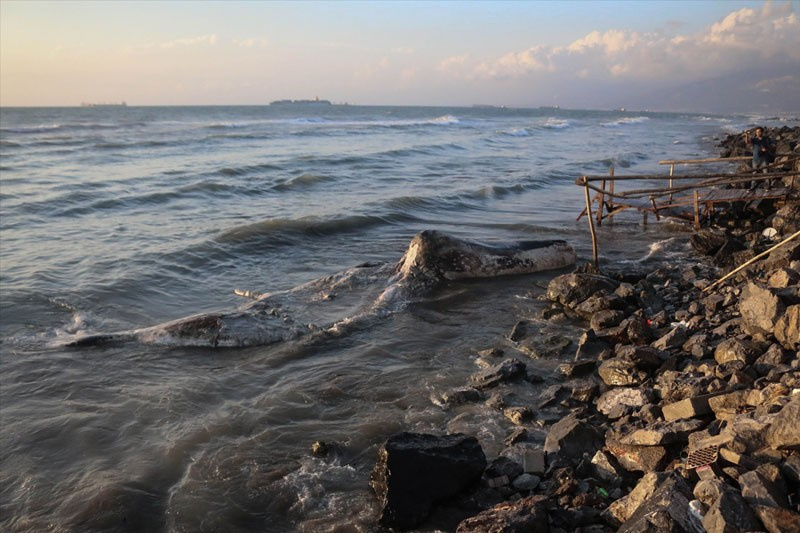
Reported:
(302, 181)
(46, 128)
(625, 121)
(287, 230)
(557, 123)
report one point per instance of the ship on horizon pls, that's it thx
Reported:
(104, 104)
(315, 101)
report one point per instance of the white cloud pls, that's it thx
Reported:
(744, 39)
(191, 41)
(255, 42)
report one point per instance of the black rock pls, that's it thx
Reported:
(415, 471)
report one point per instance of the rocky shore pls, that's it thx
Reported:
(680, 410)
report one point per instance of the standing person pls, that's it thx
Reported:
(762, 147)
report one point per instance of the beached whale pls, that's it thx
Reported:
(354, 295)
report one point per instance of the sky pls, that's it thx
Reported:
(684, 55)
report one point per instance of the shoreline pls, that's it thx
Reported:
(680, 406)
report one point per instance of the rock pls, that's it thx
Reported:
(784, 432)
(637, 330)
(716, 243)
(519, 331)
(576, 368)
(787, 328)
(663, 433)
(730, 513)
(583, 391)
(526, 482)
(778, 520)
(638, 458)
(619, 371)
(782, 278)
(533, 461)
(527, 515)
(606, 467)
(758, 490)
(518, 415)
(517, 435)
(708, 490)
(572, 289)
(590, 346)
(460, 396)
(415, 471)
(760, 309)
(727, 406)
(508, 370)
(666, 510)
(673, 339)
(622, 509)
(735, 350)
(569, 439)
(606, 318)
(614, 402)
(688, 408)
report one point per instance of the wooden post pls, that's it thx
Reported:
(591, 221)
(671, 172)
(600, 200)
(655, 209)
(611, 198)
(696, 210)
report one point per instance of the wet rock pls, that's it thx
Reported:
(508, 370)
(415, 471)
(518, 415)
(637, 330)
(517, 435)
(460, 397)
(666, 510)
(784, 432)
(615, 402)
(572, 289)
(569, 438)
(527, 515)
(730, 513)
(501, 471)
(621, 372)
(760, 308)
(590, 346)
(533, 461)
(787, 328)
(715, 243)
(576, 368)
(519, 331)
(778, 520)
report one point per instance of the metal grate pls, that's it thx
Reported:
(702, 456)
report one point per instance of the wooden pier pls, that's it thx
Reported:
(695, 198)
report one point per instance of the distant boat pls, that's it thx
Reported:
(104, 104)
(315, 101)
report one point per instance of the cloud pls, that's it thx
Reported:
(742, 39)
(255, 42)
(209, 40)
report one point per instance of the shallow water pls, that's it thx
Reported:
(121, 218)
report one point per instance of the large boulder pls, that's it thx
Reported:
(760, 308)
(415, 471)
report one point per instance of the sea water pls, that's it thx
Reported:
(120, 218)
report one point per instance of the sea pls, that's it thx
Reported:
(118, 218)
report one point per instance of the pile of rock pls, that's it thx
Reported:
(679, 412)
